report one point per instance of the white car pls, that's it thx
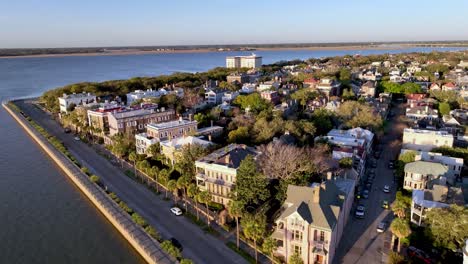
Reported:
(386, 189)
(381, 227)
(176, 211)
(77, 138)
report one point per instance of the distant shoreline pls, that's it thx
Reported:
(204, 50)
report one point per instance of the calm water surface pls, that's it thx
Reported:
(43, 217)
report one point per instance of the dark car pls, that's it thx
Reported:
(67, 130)
(176, 244)
(365, 194)
(391, 164)
(360, 211)
(377, 154)
(418, 254)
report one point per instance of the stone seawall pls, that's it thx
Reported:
(149, 249)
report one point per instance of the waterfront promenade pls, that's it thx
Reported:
(135, 235)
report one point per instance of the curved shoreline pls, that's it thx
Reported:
(206, 50)
(149, 249)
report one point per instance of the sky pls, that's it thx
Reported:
(86, 23)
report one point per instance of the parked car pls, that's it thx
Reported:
(385, 204)
(359, 194)
(377, 154)
(386, 189)
(176, 243)
(360, 211)
(391, 164)
(381, 227)
(365, 194)
(176, 210)
(67, 130)
(77, 138)
(416, 253)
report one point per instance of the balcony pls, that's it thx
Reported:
(320, 247)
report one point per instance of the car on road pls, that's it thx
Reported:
(391, 164)
(67, 130)
(381, 227)
(176, 210)
(359, 194)
(420, 255)
(365, 194)
(77, 138)
(386, 189)
(176, 243)
(385, 204)
(360, 211)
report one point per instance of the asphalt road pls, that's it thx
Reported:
(361, 243)
(198, 246)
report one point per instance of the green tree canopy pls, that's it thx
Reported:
(448, 226)
(253, 101)
(251, 185)
(354, 114)
(444, 108)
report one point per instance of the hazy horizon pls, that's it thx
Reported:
(58, 24)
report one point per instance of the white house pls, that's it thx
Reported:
(68, 100)
(425, 140)
(214, 96)
(140, 94)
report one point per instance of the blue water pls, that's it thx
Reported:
(33, 76)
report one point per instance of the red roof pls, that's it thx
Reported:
(311, 80)
(415, 96)
(450, 84)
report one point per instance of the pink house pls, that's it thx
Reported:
(312, 220)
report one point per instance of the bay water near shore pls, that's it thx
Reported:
(44, 217)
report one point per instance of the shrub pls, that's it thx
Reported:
(186, 261)
(125, 207)
(171, 249)
(85, 170)
(114, 197)
(153, 233)
(94, 178)
(139, 220)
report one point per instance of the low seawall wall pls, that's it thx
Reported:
(149, 249)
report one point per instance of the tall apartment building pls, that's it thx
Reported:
(217, 171)
(134, 119)
(252, 61)
(312, 221)
(425, 140)
(75, 99)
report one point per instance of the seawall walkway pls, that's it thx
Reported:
(149, 249)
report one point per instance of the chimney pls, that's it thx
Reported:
(316, 194)
(227, 158)
(180, 119)
(427, 108)
(209, 137)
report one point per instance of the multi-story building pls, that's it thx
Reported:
(157, 132)
(172, 148)
(422, 113)
(265, 86)
(425, 140)
(238, 78)
(419, 174)
(214, 97)
(134, 119)
(368, 89)
(140, 94)
(252, 61)
(99, 118)
(229, 96)
(217, 171)
(454, 165)
(270, 96)
(75, 99)
(248, 88)
(312, 221)
(328, 87)
(440, 196)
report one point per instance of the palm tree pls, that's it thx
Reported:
(192, 191)
(269, 246)
(164, 178)
(254, 227)
(401, 205)
(133, 157)
(182, 183)
(401, 229)
(172, 186)
(205, 197)
(153, 172)
(235, 209)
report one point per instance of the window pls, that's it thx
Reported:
(279, 243)
(322, 236)
(297, 249)
(297, 235)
